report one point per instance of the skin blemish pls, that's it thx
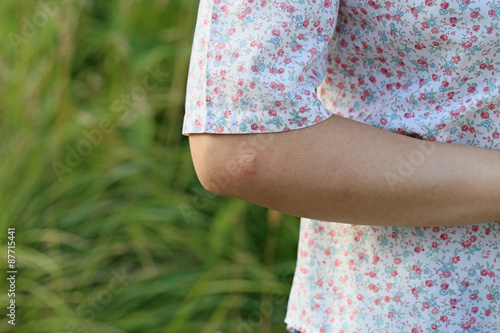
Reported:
(248, 163)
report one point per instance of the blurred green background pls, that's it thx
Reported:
(114, 232)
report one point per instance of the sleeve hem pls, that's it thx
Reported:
(268, 124)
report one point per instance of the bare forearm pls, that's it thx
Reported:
(345, 171)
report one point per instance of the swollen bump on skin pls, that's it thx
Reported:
(247, 163)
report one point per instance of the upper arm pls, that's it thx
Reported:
(254, 69)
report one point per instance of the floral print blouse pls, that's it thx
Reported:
(427, 69)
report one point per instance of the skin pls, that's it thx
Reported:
(345, 171)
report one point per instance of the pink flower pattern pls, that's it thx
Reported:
(427, 69)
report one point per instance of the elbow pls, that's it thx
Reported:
(220, 168)
(211, 176)
(215, 181)
(206, 180)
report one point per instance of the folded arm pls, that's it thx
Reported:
(345, 171)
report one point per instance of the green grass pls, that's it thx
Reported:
(128, 203)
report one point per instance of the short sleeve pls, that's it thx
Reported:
(255, 65)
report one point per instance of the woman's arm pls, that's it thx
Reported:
(345, 171)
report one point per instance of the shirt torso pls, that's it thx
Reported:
(428, 69)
